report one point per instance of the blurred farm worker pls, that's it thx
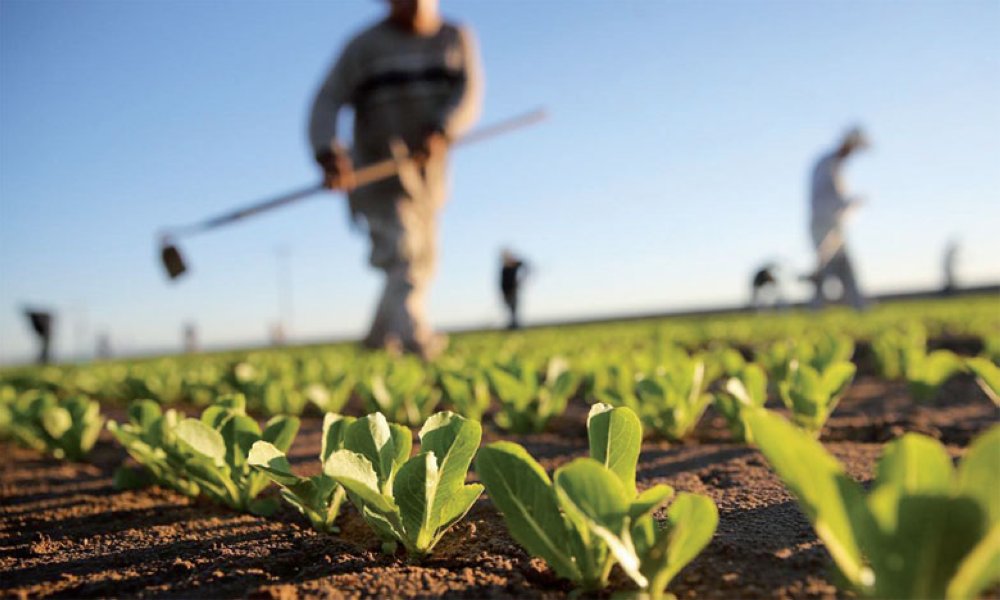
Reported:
(413, 81)
(764, 288)
(950, 258)
(41, 324)
(830, 207)
(513, 270)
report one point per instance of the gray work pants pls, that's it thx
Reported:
(839, 267)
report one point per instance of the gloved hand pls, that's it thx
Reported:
(338, 171)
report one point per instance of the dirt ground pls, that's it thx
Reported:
(66, 532)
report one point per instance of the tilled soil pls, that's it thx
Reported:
(66, 532)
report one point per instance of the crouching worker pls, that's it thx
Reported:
(413, 81)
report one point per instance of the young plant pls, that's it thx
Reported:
(468, 393)
(812, 395)
(923, 531)
(63, 428)
(402, 392)
(207, 455)
(670, 400)
(742, 393)
(590, 516)
(332, 396)
(527, 403)
(408, 501)
(318, 497)
(926, 372)
(987, 376)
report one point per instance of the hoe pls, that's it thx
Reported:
(399, 164)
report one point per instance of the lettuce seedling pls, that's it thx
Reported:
(332, 396)
(318, 497)
(670, 401)
(987, 376)
(65, 428)
(402, 392)
(207, 455)
(468, 393)
(744, 392)
(527, 403)
(812, 395)
(408, 501)
(589, 516)
(923, 531)
(926, 372)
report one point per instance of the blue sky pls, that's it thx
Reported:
(674, 162)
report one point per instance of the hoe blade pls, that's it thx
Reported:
(173, 262)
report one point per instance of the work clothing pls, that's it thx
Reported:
(829, 205)
(402, 86)
(510, 282)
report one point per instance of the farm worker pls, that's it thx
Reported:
(830, 206)
(950, 258)
(42, 324)
(764, 288)
(411, 79)
(513, 270)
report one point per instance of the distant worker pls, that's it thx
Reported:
(190, 337)
(950, 258)
(412, 79)
(41, 324)
(764, 288)
(830, 207)
(513, 270)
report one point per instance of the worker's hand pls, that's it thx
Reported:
(338, 171)
(433, 147)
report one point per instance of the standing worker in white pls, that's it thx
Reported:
(830, 208)
(414, 83)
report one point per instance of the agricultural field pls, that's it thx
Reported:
(794, 455)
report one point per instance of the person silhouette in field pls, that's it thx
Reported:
(414, 82)
(41, 323)
(830, 206)
(513, 271)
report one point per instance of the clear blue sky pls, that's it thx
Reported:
(675, 160)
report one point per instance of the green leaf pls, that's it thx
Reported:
(649, 500)
(202, 439)
(143, 413)
(818, 482)
(239, 433)
(355, 472)
(56, 421)
(978, 570)
(918, 557)
(266, 457)
(281, 431)
(522, 492)
(596, 499)
(691, 520)
(385, 446)
(979, 472)
(915, 464)
(334, 430)
(454, 441)
(615, 436)
(414, 491)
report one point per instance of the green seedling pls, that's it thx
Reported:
(402, 392)
(408, 501)
(744, 392)
(39, 420)
(468, 393)
(812, 395)
(318, 497)
(527, 403)
(925, 530)
(927, 372)
(205, 456)
(589, 516)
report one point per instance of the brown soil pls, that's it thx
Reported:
(65, 531)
